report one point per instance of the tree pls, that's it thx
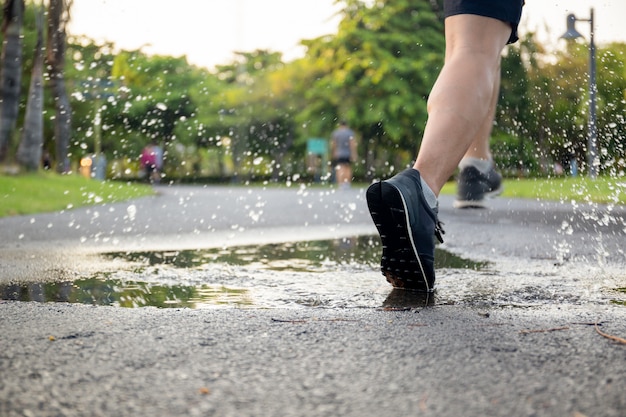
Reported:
(88, 77)
(29, 150)
(58, 17)
(518, 132)
(612, 108)
(544, 105)
(377, 73)
(11, 71)
(154, 97)
(254, 114)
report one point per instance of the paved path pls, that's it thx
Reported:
(494, 354)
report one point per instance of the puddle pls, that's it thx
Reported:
(317, 256)
(328, 273)
(122, 293)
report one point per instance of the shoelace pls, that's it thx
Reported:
(439, 232)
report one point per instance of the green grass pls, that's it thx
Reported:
(579, 189)
(45, 192)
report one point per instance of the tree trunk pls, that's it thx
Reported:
(29, 151)
(10, 71)
(58, 17)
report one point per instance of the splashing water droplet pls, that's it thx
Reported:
(132, 212)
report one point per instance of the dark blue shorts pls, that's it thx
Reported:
(509, 11)
(339, 161)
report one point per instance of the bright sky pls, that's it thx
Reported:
(208, 31)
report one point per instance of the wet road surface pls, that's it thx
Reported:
(512, 332)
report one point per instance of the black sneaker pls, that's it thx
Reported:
(473, 186)
(407, 226)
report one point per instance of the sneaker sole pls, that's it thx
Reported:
(388, 210)
(463, 204)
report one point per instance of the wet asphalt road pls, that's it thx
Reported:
(481, 358)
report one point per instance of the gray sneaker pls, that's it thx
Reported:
(407, 228)
(473, 186)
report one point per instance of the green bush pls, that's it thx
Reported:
(514, 156)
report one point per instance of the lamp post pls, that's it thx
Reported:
(593, 158)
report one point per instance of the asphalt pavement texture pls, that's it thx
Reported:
(491, 356)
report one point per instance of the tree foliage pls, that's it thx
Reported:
(377, 73)
(252, 117)
(10, 71)
(545, 104)
(30, 149)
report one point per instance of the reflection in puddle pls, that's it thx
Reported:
(316, 256)
(404, 300)
(329, 273)
(120, 293)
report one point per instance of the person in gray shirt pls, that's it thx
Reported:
(343, 152)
